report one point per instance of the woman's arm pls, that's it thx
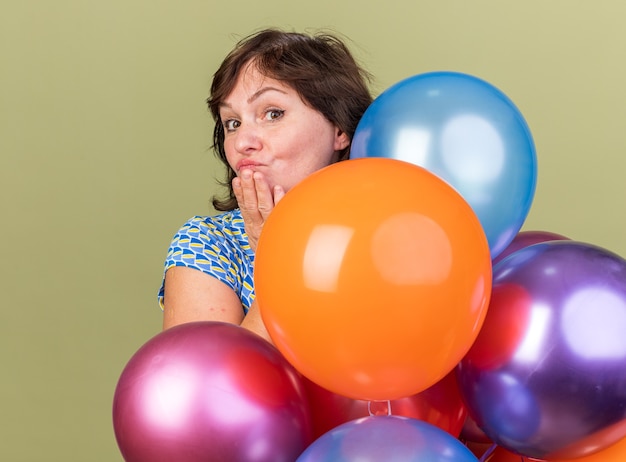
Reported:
(191, 295)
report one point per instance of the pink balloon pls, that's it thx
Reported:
(526, 238)
(209, 391)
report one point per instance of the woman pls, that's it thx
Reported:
(285, 105)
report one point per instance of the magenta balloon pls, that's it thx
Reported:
(553, 385)
(526, 238)
(210, 391)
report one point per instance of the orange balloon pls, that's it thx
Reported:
(373, 278)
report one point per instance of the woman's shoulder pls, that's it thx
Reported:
(224, 220)
(223, 225)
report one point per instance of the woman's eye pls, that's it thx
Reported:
(274, 114)
(231, 125)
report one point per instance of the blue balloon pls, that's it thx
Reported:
(387, 439)
(465, 131)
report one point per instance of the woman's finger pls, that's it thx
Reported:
(279, 193)
(264, 196)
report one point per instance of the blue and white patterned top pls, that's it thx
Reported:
(218, 246)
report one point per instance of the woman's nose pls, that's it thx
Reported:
(248, 138)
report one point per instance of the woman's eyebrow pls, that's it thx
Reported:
(264, 90)
(256, 95)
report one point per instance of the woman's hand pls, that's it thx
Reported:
(256, 200)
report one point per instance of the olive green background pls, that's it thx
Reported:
(104, 152)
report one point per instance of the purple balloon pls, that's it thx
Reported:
(387, 439)
(546, 377)
(526, 238)
(209, 391)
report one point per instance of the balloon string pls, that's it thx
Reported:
(488, 452)
(373, 413)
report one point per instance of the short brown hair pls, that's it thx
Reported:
(319, 67)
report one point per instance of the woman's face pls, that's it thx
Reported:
(269, 129)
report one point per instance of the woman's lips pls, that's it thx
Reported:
(246, 164)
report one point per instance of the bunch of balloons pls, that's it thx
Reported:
(410, 314)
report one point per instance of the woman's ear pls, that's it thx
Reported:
(342, 141)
